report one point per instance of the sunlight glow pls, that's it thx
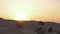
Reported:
(21, 16)
(45, 10)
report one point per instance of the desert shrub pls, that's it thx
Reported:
(41, 23)
(50, 29)
(39, 31)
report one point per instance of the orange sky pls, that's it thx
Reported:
(46, 10)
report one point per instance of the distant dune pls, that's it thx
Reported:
(29, 27)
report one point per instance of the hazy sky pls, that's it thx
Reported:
(46, 10)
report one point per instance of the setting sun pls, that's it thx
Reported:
(20, 16)
(44, 10)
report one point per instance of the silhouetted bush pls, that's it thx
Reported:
(50, 30)
(1, 18)
(58, 32)
(18, 26)
(39, 31)
(41, 23)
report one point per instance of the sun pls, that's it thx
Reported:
(20, 16)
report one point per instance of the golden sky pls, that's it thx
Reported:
(46, 10)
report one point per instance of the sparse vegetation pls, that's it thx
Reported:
(50, 29)
(41, 22)
(39, 30)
